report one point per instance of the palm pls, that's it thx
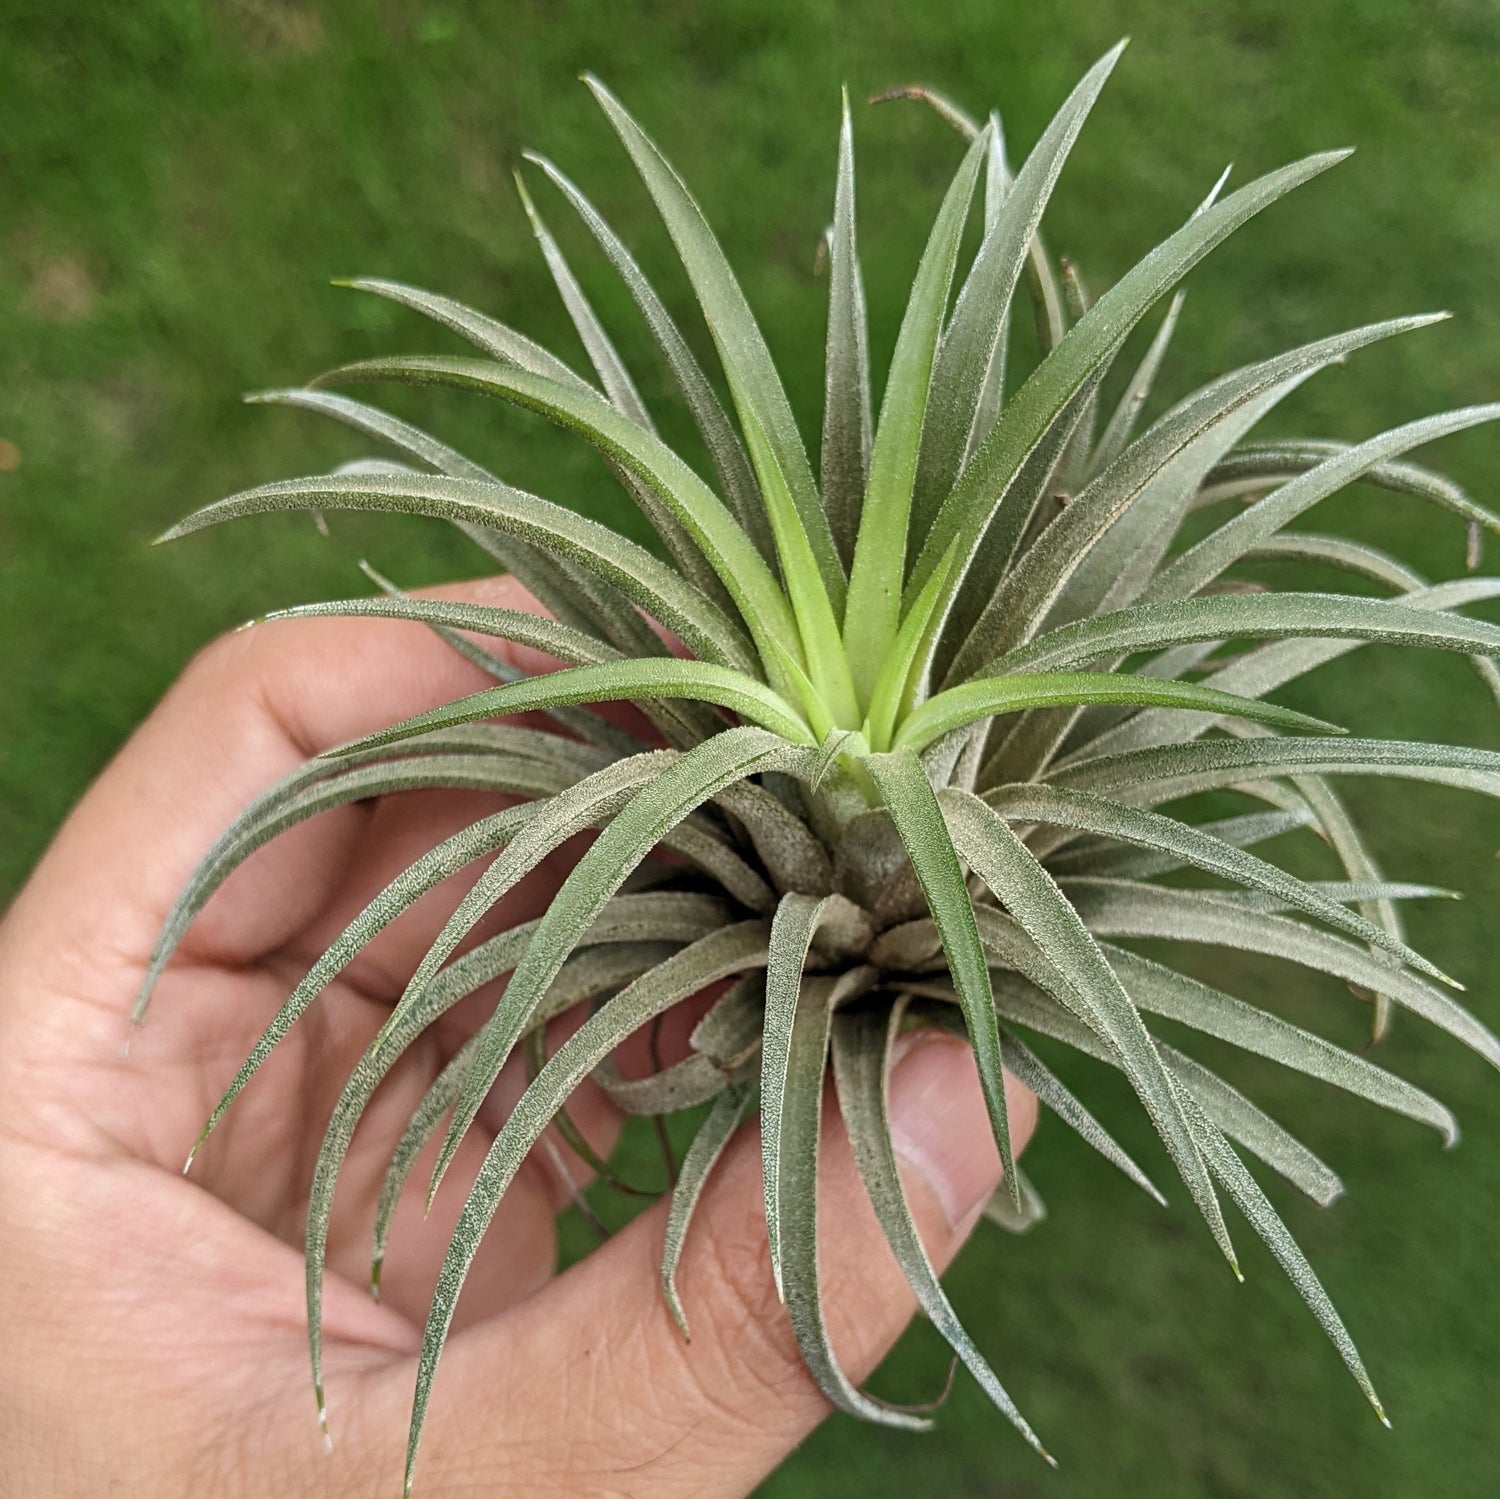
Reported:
(210, 1010)
(241, 1283)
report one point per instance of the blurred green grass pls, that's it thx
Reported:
(180, 182)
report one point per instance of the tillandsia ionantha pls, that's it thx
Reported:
(912, 722)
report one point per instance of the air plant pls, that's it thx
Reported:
(913, 722)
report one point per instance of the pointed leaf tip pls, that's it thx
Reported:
(527, 203)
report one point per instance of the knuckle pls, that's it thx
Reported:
(743, 1350)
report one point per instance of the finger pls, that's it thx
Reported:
(519, 1254)
(248, 710)
(398, 832)
(588, 1387)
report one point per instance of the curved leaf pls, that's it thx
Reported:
(612, 681)
(981, 487)
(648, 581)
(861, 1067)
(1122, 909)
(629, 837)
(776, 449)
(724, 1118)
(1270, 616)
(723, 443)
(1202, 563)
(1009, 694)
(1066, 947)
(694, 506)
(919, 820)
(730, 950)
(1089, 812)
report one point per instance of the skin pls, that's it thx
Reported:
(154, 1325)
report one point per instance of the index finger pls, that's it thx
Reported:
(248, 710)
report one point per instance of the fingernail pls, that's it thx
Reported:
(939, 1125)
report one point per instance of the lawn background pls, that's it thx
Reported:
(179, 183)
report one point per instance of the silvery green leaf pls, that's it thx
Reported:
(1032, 491)
(1033, 743)
(614, 377)
(1271, 616)
(930, 845)
(613, 681)
(1202, 563)
(724, 1118)
(448, 619)
(796, 921)
(430, 1112)
(456, 759)
(446, 859)
(651, 583)
(776, 449)
(797, 1227)
(1253, 1128)
(1268, 667)
(794, 857)
(1254, 467)
(1053, 1094)
(734, 949)
(1345, 892)
(847, 430)
(724, 1041)
(1149, 777)
(1119, 908)
(1355, 557)
(623, 396)
(980, 490)
(1121, 425)
(1251, 1201)
(587, 803)
(664, 476)
(1078, 975)
(873, 609)
(1111, 857)
(970, 344)
(1163, 991)
(575, 647)
(862, 1048)
(722, 441)
(1100, 816)
(1043, 572)
(622, 962)
(1343, 836)
(659, 806)
(484, 332)
(1014, 691)
(586, 603)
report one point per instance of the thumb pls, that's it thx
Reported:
(589, 1388)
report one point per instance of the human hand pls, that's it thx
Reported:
(153, 1327)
